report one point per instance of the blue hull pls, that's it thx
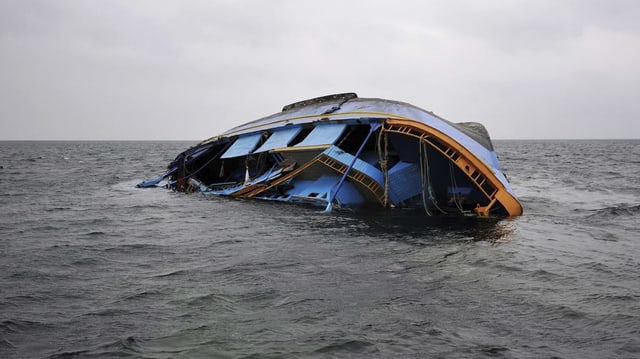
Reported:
(343, 151)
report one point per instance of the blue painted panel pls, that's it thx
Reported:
(323, 134)
(349, 195)
(405, 181)
(320, 187)
(243, 146)
(362, 166)
(279, 138)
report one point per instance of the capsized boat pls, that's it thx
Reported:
(342, 151)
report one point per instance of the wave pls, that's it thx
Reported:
(125, 347)
(624, 210)
(139, 295)
(6, 344)
(615, 211)
(171, 274)
(348, 346)
(134, 246)
(109, 312)
(57, 209)
(17, 326)
(214, 300)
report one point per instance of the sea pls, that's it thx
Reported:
(92, 267)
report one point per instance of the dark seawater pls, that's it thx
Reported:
(91, 267)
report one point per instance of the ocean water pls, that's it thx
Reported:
(91, 267)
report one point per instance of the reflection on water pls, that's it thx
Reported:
(412, 225)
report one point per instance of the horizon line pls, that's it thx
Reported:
(191, 140)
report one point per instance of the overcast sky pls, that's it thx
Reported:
(188, 70)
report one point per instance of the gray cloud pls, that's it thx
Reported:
(192, 69)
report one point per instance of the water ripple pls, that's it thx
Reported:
(91, 267)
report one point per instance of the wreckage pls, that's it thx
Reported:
(342, 151)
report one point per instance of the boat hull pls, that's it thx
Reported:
(341, 151)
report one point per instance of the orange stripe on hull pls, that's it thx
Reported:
(476, 169)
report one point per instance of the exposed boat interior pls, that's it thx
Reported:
(341, 159)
